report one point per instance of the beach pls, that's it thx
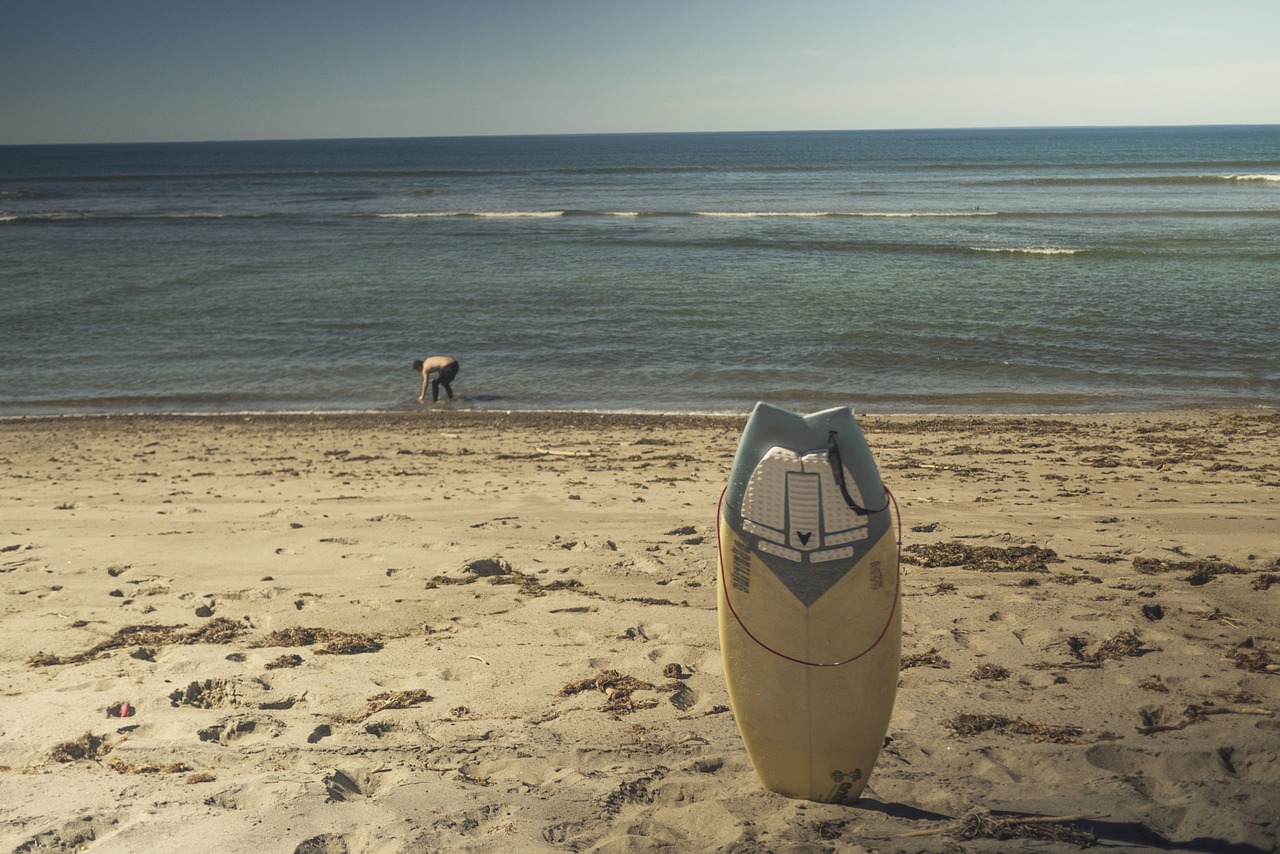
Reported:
(492, 631)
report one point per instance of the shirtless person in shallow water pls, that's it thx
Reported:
(445, 369)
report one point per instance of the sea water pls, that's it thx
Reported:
(1045, 270)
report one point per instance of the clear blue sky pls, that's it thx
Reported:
(149, 70)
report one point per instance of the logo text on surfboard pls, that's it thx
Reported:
(741, 566)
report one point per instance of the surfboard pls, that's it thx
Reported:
(809, 602)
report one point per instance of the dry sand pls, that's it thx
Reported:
(452, 631)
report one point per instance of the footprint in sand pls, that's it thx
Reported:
(220, 693)
(73, 835)
(325, 843)
(684, 698)
(349, 785)
(242, 728)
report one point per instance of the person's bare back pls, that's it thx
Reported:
(444, 367)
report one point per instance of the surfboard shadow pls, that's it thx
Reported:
(899, 810)
(1127, 833)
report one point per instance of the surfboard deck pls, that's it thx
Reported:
(809, 602)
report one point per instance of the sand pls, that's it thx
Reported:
(457, 631)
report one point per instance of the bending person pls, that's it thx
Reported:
(445, 369)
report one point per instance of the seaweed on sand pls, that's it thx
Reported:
(531, 586)
(1121, 645)
(390, 700)
(966, 724)
(980, 558)
(216, 631)
(338, 642)
(1254, 660)
(981, 824)
(992, 672)
(87, 746)
(1199, 571)
(924, 659)
(528, 584)
(122, 767)
(617, 688)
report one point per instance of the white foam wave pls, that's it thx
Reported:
(477, 214)
(518, 214)
(864, 214)
(755, 214)
(415, 215)
(57, 216)
(1264, 179)
(920, 214)
(1026, 250)
(713, 214)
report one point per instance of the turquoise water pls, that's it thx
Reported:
(896, 271)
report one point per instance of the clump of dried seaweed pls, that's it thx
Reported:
(1099, 558)
(444, 580)
(531, 586)
(390, 700)
(292, 636)
(1254, 660)
(217, 631)
(980, 558)
(528, 584)
(87, 746)
(966, 724)
(617, 689)
(122, 767)
(981, 824)
(1122, 645)
(338, 642)
(991, 672)
(284, 661)
(343, 643)
(1069, 579)
(1265, 580)
(1199, 571)
(924, 659)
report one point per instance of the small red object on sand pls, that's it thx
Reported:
(124, 710)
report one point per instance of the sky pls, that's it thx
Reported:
(167, 70)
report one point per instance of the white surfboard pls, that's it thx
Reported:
(809, 605)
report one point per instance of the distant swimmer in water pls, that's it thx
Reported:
(445, 369)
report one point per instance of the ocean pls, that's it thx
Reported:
(1011, 271)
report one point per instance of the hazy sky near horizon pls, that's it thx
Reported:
(157, 70)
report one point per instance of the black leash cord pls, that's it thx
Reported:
(837, 471)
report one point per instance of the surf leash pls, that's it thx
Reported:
(728, 600)
(837, 471)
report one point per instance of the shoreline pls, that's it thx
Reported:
(581, 417)
(394, 632)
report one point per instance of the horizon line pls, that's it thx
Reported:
(580, 134)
